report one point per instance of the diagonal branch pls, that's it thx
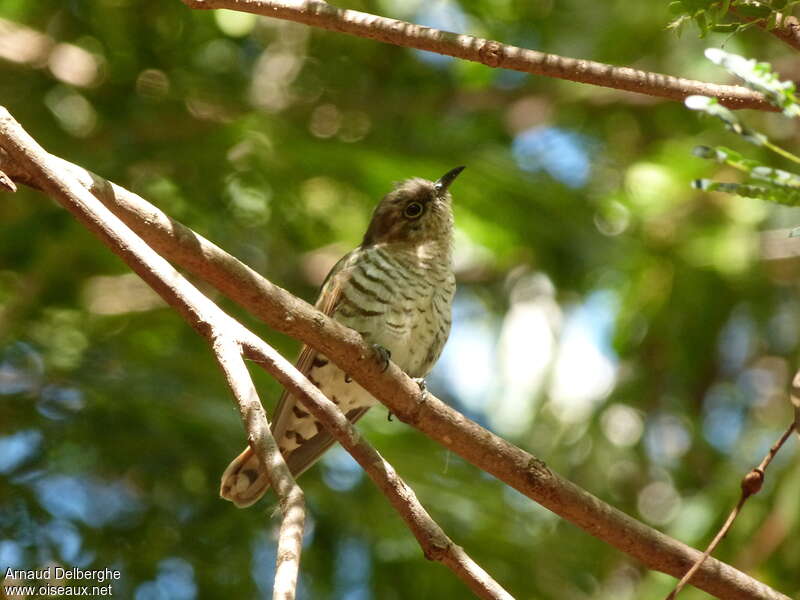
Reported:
(57, 178)
(519, 469)
(290, 536)
(489, 52)
(200, 312)
(433, 540)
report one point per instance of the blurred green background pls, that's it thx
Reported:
(635, 334)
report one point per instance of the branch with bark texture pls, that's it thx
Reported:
(230, 341)
(434, 542)
(788, 31)
(200, 312)
(489, 52)
(519, 469)
(228, 353)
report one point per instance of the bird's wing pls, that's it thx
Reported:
(244, 481)
(329, 297)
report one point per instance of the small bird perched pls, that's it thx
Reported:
(396, 290)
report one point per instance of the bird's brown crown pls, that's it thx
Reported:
(417, 211)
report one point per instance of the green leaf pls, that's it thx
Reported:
(753, 10)
(770, 193)
(677, 23)
(692, 6)
(759, 76)
(712, 107)
(702, 23)
(676, 8)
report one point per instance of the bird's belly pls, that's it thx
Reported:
(341, 389)
(404, 308)
(408, 343)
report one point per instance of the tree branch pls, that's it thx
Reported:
(228, 337)
(293, 509)
(433, 540)
(489, 52)
(751, 485)
(202, 314)
(788, 31)
(519, 469)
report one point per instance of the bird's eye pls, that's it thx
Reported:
(413, 210)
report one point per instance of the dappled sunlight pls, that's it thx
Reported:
(501, 371)
(526, 347)
(444, 15)
(659, 503)
(119, 294)
(88, 500)
(636, 334)
(560, 153)
(175, 579)
(69, 63)
(18, 447)
(340, 471)
(585, 367)
(21, 368)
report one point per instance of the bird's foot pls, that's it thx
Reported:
(423, 387)
(384, 354)
(389, 415)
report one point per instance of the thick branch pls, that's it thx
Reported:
(57, 178)
(289, 315)
(489, 52)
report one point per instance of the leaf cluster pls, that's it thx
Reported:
(761, 181)
(729, 16)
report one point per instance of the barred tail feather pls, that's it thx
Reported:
(244, 481)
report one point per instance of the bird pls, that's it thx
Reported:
(396, 289)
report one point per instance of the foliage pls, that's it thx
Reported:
(730, 16)
(625, 328)
(761, 181)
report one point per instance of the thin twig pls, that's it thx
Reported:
(6, 183)
(290, 535)
(751, 484)
(284, 312)
(794, 398)
(489, 52)
(211, 322)
(787, 30)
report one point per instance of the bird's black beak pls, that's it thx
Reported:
(445, 180)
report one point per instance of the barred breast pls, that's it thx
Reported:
(399, 301)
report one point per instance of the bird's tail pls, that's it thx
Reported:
(244, 481)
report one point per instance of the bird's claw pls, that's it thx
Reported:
(385, 356)
(423, 387)
(389, 416)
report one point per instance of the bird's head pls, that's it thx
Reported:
(416, 211)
